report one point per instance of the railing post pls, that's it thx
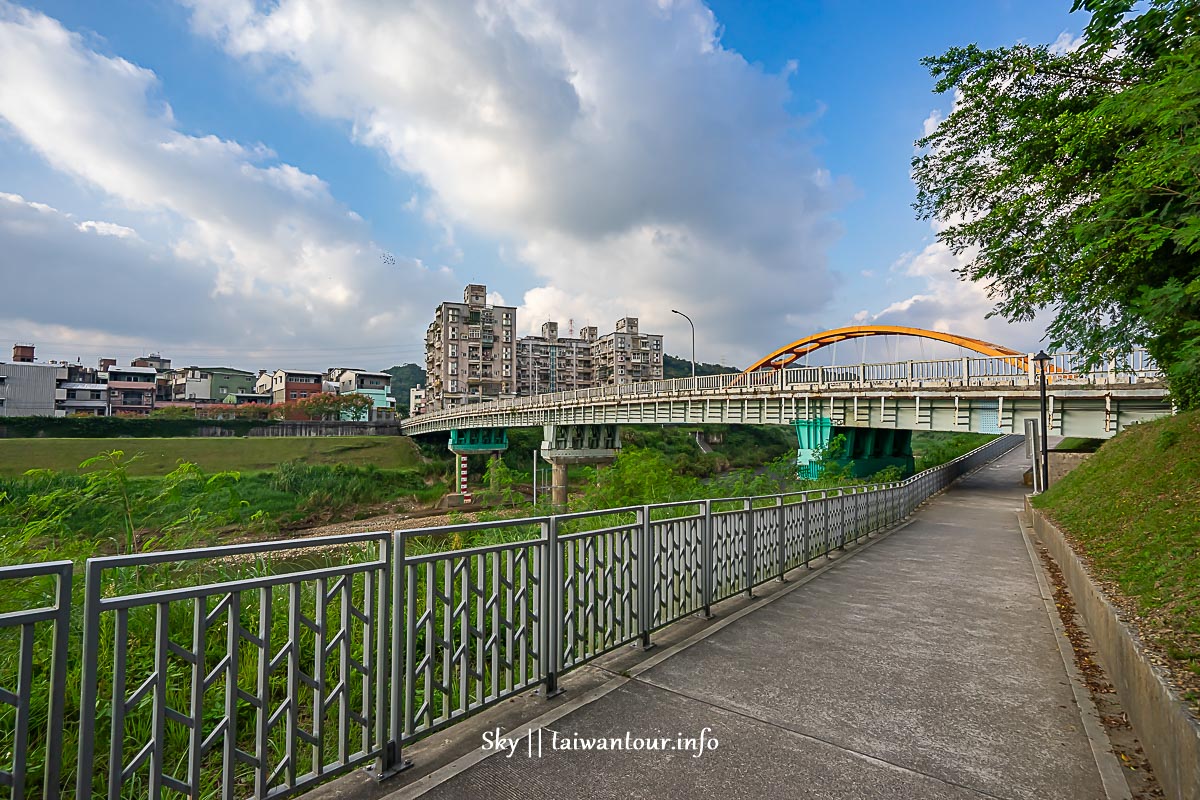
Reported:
(90, 659)
(748, 511)
(842, 503)
(779, 515)
(706, 560)
(804, 540)
(392, 660)
(550, 600)
(645, 577)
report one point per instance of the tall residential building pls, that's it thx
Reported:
(470, 352)
(627, 356)
(550, 363)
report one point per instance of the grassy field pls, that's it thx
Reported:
(1133, 509)
(249, 454)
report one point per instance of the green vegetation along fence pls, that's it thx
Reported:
(300, 667)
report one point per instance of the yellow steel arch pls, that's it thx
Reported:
(788, 353)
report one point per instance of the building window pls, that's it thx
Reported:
(295, 395)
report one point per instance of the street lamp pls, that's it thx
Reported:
(689, 319)
(1041, 358)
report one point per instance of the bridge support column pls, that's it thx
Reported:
(869, 450)
(470, 441)
(564, 445)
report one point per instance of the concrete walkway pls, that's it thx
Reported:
(924, 667)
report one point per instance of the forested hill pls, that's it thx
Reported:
(682, 368)
(403, 379)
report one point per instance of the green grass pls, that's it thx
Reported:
(1134, 510)
(249, 454)
(1078, 444)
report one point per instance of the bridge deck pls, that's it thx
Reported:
(924, 667)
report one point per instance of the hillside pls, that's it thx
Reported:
(1133, 511)
(682, 368)
(404, 378)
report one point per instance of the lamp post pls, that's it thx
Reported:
(689, 319)
(1041, 358)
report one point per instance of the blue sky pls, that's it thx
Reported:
(745, 160)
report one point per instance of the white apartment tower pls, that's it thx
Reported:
(550, 363)
(470, 352)
(627, 355)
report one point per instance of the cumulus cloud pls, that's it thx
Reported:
(947, 303)
(634, 162)
(260, 245)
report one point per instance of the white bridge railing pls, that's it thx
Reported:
(1018, 371)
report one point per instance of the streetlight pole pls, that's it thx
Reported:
(1042, 359)
(689, 319)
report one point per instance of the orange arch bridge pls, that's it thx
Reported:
(786, 355)
(865, 450)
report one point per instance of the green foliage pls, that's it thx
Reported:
(931, 448)
(675, 367)
(1073, 180)
(501, 484)
(405, 377)
(169, 424)
(330, 489)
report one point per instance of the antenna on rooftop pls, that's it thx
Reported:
(571, 328)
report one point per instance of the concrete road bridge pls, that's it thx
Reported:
(876, 406)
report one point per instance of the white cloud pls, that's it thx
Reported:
(250, 239)
(947, 303)
(1066, 43)
(632, 161)
(101, 228)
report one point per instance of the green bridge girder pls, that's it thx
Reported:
(869, 450)
(478, 440)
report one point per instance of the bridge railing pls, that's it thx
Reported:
(1065, 368)
(263, 669)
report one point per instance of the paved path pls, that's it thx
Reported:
(924, 667)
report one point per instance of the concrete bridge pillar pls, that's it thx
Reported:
(564, 445)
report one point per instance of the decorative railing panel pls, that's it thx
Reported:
(260, 670)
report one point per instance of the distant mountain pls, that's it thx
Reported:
(682, 368)
(403, 379)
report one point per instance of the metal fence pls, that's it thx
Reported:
(287, 669)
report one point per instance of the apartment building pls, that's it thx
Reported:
(627, 355)
(470, 352)
(550, 363)
(416, 400)
(131, 390)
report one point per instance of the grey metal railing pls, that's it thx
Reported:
(303, 659)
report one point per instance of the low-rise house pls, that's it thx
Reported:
(31, 390)
(293, 384)
(416, 400)
(131, 390)
(248, 398)
(372, 384)
(263, 384)
(82, 398)
(210, 384)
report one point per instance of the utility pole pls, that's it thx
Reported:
(1042, 358)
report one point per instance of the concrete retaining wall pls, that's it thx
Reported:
(1168, 732)
(1062, 463)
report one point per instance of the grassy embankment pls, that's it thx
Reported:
(242, 454)
(1133, 510)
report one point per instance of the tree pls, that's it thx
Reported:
(1070, 181)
